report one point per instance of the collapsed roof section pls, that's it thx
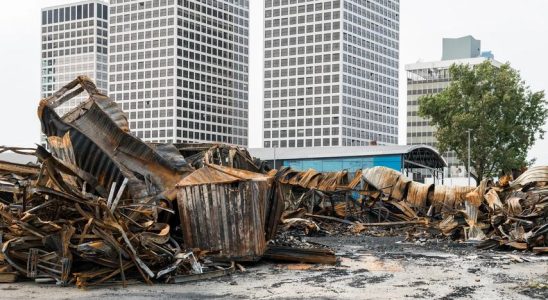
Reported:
(94, 138)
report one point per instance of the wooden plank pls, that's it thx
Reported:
(312, 255)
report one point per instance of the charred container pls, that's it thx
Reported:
(224, 210)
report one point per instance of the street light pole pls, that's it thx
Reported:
(468, 157)
(274, 165)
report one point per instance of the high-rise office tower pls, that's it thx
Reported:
(330, 72)
(74, 42)
(179, 68)
(427, 78)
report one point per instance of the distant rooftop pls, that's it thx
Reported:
(462, 50)
(463, 47)
(445, 64)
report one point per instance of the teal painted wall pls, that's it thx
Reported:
(348, 163)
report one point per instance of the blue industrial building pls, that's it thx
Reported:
(406, 159)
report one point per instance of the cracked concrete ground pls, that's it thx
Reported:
(369, 268)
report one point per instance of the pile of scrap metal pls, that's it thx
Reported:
(102, 205)
(237, 157)
(517, 213)
(511, 215)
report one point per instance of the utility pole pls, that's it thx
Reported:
(468, 169)
(274, 164)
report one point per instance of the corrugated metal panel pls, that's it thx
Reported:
(400, 189)
(438, 196)
(382, 178)
(460, 193)
(418, 194)
(102, 147)
(228, 218)
(225, 209)
(535, 174)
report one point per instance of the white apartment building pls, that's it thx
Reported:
(179, 68)
(74, 42)
(330, 72)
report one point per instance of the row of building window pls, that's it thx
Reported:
(386, 8)
(420, 123)
(302, 143)
(304, 132)
(299, 112)
(428, 91)
(375, 13)
(309, 101)
(301, 122)
(366, 96)
(74, 34)
(225, 25)
(373, 87)
(74, 42)
(418, 134)
(374, 38)
(58, 30)
(374, 134)
(387, 65)
(308, 91)
(308, 70)
(73, 51)
(303, 30)
(302, 8)
(74, 13)
(373, 110)
(318, 142)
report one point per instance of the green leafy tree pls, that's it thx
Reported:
(504, 117)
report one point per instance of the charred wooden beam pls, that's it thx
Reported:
(300, 255)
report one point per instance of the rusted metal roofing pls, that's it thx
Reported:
(533, 175)
(221, 154)
(418, 193)
(437, 198)
(312, 179)
(224, 209)
(98, 135)
(215, 174)
(385, 180)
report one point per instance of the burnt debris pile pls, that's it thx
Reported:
(102, 206)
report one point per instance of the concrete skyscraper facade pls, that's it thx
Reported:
(74, 42)
(330, 73)
(179, 68)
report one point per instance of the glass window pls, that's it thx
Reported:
(73, 13)
(61, 15)
(67, 13)
(50, 17)
(79, 12)
(105, 12)
(56, 15)
(44, 17)
(91, 10)
(85, 11)
(99, 10)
